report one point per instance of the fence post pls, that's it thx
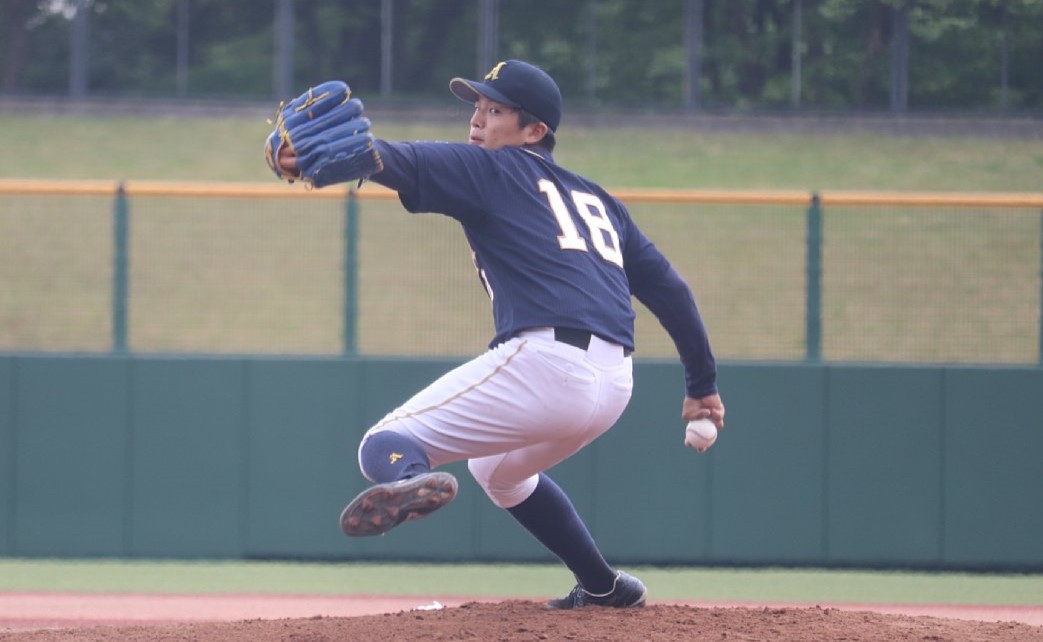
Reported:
(119, 273)
(813, 311)
(351, 226)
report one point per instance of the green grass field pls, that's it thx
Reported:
(246, 276)
(229, 149)
(513, 580)
(263, 276)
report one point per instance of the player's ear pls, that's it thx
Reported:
(535, 132)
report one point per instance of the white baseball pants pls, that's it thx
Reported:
(517, 410)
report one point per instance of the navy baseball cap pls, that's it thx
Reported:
(517, 84)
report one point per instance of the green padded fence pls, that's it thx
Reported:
(819, 465)
(186, 369)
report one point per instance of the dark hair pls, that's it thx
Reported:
(526, 118)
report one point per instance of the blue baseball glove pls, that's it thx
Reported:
(326, 130)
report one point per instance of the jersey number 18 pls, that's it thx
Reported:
(592, 211)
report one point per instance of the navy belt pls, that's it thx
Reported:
(578, 338)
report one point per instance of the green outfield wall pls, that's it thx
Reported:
(254, 457)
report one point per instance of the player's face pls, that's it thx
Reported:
(495, 125)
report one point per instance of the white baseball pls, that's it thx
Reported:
(700, 434)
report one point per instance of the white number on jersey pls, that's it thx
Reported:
(592, 211)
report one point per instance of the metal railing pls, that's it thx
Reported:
(813, 204)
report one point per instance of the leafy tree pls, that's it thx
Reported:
(14, 15)
(624, 53)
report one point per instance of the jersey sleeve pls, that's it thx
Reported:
(400, 167)
(447, 178)
(657, 285)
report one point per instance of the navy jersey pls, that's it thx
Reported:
(552, 248)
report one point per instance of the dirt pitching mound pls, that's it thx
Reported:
(521, 620)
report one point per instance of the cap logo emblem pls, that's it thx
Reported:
(495, 73)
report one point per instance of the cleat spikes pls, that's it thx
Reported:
(382, 507)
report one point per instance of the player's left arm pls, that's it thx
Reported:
(709, 407)
(657, 285)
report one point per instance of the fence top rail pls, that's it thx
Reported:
(275, 189)
(935, 199)
(46, 187)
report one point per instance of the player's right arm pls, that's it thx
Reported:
(400, 167)
(448, 178)
(399, 172)
(287, 160)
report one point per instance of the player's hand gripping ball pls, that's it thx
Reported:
(325, 129)
(700, 434)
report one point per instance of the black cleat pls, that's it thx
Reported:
(380, 508)
(627, 592)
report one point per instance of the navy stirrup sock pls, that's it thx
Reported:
(388, 456)
(550, 516)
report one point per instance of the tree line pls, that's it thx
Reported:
(844, 55)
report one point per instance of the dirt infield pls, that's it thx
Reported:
(69, 617)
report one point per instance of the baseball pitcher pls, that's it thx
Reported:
(560, 259)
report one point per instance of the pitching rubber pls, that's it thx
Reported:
(380, 508)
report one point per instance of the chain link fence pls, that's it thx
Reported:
(247, 269)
